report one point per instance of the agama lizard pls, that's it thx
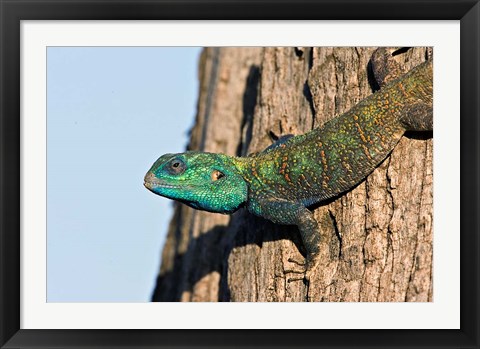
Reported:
(282, 181)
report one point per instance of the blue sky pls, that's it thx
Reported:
(111, 112)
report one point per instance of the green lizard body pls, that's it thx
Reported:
(280, 182)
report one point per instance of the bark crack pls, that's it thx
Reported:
(337, 232)
(389, 246)
(362, 279)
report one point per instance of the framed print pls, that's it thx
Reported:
(347, 221)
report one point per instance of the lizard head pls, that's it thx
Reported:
(204, 181)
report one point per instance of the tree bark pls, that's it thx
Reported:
(380, 234)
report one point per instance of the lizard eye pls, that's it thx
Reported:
(176, 167)
(216, 175)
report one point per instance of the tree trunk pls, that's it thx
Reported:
(379, 234)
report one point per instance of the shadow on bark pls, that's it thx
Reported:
(244, 234)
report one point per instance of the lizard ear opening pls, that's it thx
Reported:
(216, 175)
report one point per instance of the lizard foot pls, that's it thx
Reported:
(307, 273)
(296, 271)
(309, 267)
(385, 67)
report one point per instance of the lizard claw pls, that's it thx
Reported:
(289, 280)
(292, 260)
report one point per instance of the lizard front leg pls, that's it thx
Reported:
(282, 211)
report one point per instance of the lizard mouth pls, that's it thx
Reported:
(152, 186)
(151, 183)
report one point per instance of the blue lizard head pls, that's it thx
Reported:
(205, 181)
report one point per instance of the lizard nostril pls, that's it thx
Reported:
(149, 179)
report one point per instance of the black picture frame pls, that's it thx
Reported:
(13, 11)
